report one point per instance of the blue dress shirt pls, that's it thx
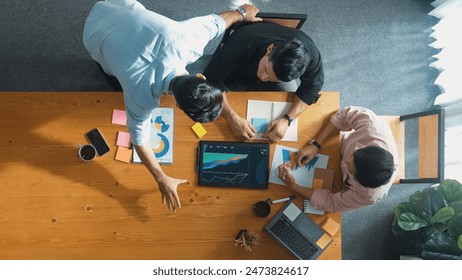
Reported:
(145, 51)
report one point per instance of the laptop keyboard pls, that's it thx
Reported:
(296, 241)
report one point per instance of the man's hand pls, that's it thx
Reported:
(231, 17)
(252, 11)
(242, 128)
(276, 130)
(285, 174)
(168, 189)
(306, 154)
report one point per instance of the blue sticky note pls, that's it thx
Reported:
(260, 124)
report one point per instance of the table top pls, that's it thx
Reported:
(55, 206)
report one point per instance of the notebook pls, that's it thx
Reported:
(262, 113)
(295, 231)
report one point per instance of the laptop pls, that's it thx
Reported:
(295, 231)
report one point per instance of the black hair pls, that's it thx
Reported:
(198, 98)
(374, 166)
(290, 59)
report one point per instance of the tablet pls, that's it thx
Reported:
(233, 164)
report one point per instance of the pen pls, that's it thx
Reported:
(283, 199)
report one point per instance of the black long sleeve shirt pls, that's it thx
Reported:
(243, 49)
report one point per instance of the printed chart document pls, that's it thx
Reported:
(161, 135)
(261, 113)
(304, 176)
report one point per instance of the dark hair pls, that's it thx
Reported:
(374, 166)
(290, 59)
(198, 98)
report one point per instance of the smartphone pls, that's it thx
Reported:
(97, 140)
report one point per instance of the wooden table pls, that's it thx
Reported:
(55, 206)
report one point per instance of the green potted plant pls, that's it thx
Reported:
(429, 225)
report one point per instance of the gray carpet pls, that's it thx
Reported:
(374, 52)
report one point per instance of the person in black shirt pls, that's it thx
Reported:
(266, 56)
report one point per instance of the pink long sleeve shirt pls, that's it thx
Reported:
(359, 128)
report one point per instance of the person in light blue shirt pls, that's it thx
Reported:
(148, 53)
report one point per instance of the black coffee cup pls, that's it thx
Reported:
(262, 208)
(87, 152)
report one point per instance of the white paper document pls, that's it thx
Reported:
(162, 123)
(261, 113)
(303, 175)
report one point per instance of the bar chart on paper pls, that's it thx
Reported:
(303, 175)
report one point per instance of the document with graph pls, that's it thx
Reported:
(261, 113)
(161, 135)
(303, 175)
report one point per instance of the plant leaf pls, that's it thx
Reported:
(457, 206)
(451, 190)
(409, 207)
(409, 222)
(429, 200)
(441, 246)
(459, 242)
(455, 225)
(443, 215)
(410, 242)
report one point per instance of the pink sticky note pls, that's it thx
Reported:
(123, 139)
(119, 117)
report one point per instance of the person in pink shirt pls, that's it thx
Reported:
(369, 161)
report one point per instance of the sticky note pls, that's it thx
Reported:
(260, 124)
(317, 183)
(324, 240)
(119, 117)
(330, 226)
(123, 139)
(199, 130)
(123, 154)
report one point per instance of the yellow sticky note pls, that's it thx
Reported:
(199, 130)
(330, 226)
(123, 154)
(324, 240)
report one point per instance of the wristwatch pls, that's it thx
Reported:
(289, 119)
(242, 11)
(315, 143)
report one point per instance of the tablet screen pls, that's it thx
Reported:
(233, 164)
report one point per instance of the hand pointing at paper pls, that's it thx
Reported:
(285, 174)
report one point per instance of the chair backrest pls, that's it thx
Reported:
(430, 142)
(397, 128)
(289, 20)
(284, 19)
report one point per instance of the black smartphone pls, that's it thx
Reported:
(97, 140)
